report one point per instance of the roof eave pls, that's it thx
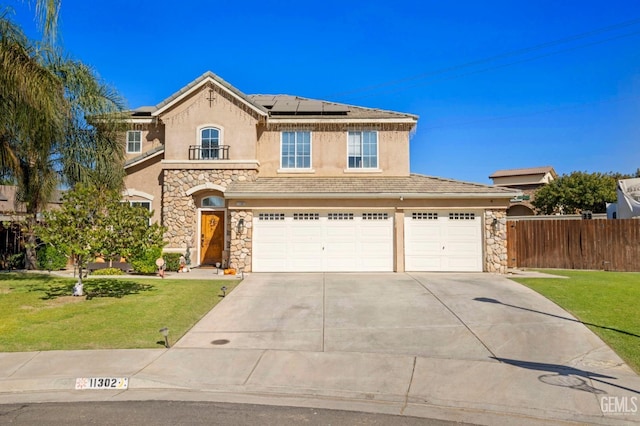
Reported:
(368, 195)
(143, 159)
(208, 78)
(348, 120)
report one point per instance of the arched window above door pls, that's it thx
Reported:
(213, 201)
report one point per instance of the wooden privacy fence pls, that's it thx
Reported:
(612, 245)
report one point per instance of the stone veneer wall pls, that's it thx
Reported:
(241, 246)
(179, 209)
(495, 237)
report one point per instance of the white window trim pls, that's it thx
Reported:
(127, 142)
(364, 169)
(309, 169)
(218, 127)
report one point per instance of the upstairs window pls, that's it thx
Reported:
(296, 150)
(362, 150)
(209, 143)
(134, 141)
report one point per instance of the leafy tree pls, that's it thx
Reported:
(45, 136)
(92, 221)
(570, 194)
(127, 231)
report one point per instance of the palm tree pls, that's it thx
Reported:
(58, 124)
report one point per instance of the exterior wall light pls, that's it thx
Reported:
(240, 226)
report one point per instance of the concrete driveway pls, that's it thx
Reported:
(473, 341)
(476, 348)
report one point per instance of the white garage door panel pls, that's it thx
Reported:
(274, 251)
(345, 244)
(435, 242)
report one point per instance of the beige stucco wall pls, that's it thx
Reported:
(236, 123)
(329, 151)
(152, 136)
(145, 177)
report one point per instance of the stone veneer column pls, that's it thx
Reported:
(179, 209)
(495, 237)
(240, 249)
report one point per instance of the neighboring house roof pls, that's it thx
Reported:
(8, 197)
(413, 186)
(277, 107)
(144, 156)
(524, 172)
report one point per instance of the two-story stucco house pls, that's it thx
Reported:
(269, 183)
(528, 181)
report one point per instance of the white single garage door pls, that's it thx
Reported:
(443, 241)
(340, 241)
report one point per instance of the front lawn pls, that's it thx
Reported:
(607, 302)
(37, 312)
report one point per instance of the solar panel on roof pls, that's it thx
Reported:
(285, 106)
(310, 106)
(335, 108)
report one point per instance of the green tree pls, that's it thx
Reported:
(128, 232)
(92, 221)
(58, 125)
(578, 191)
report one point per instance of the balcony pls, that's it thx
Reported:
(199, 152)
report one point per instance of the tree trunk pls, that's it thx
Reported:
(31, 258)
(79, 261)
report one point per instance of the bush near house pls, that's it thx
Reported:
(109, 271)
(145, 263)
(51, 258)
(172, 261)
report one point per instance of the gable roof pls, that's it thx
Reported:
(277, 108)
(524, 172)
(207, 77)
(412, 186)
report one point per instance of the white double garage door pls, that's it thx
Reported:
(363, 241)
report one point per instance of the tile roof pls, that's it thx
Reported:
(413, 186)
(281, 106)
(288, 106)
(152, 152)
(524, 172)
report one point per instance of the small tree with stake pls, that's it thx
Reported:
(92, 221)
(77, 225)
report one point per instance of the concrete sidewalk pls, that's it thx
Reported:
(477, 348)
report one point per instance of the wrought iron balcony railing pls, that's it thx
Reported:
(198, 152)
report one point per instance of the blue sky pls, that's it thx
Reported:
(497, 84)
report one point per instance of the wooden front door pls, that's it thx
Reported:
(211, 238)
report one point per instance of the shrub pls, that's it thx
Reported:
(146, 263)
(108, 271)
(51, 258)
(172, 261)
(16, 261)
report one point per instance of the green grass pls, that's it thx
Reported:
(37, 312)
(607, 302)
